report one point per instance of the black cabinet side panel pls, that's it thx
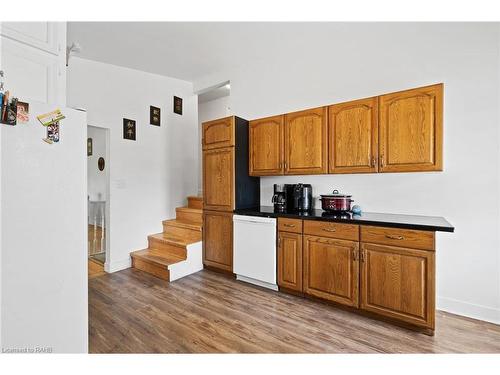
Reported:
(247, 188)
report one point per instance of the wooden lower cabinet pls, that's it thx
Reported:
(218, 240)
(398, 283)
(331, 269)
(290, 260)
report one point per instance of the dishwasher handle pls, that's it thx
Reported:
(254, 219)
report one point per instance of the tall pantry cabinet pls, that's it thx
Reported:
(226, 186)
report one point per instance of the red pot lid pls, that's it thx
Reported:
(336, 194)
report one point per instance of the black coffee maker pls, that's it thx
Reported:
(279, 197)
(302, 197)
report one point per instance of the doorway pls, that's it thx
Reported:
(98, 198)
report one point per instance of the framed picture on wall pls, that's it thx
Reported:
(89, 146)
(154, 115)
(177, 105)
(129, 129)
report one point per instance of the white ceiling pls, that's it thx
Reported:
(190, 50)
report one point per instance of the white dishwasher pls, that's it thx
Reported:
(254, 250)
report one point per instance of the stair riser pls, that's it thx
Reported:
(189, 216)
(191, 234)
(195, 203)
(156, 270)
(165, 248)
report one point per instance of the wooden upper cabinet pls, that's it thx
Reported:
(218, 133)
(218, 179)
(266, 146)
(353, 136)
(290, 260)
(399, 283)
(218, 239)
(306, 141)
(331, 269)
(411, 130)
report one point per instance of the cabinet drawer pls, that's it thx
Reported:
(332, 230)
(415, 239)
(289, 225)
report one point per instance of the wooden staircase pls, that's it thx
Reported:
(176, 252)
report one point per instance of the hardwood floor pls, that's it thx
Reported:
(133, 312)
(95, 269)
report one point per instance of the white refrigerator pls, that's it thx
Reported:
(44, 234)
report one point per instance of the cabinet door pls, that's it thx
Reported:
(331, 269)
(266, 146)
(46, 36)
(218, 240)
(399, 283)
(218, 179)
(218, 133)
(411, 130)
(306, 142)
(353, 136)
(290, 260)
(32, 74)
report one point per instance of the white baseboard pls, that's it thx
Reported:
(118, 266)
(257, 282)
(488, 314)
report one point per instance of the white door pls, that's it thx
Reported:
(35, 69)
(42, 35)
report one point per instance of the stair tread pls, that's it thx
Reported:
(184, 224)
(189, 209)
(164, 260)
(171, 239)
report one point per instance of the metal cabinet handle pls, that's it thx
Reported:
(289, 225)
(394, 237)
(374, 161)
(382, 161)
(362, 254)
(329, 229)
(355, 255)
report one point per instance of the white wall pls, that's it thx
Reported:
(1, 211)
(207, 111)
(154, 174)
(44, 244)
(96, 179)
(350, 61)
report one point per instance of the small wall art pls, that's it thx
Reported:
(177, 105)
(89, 146)
(129, 129)
(154, 116)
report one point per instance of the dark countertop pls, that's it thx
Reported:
(430, 223)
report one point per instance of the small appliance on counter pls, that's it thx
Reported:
(279, 197)
(302, 197)
(336, 202)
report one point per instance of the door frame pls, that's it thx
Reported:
(107, 211)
